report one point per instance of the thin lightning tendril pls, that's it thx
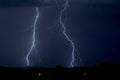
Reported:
(65, 33)
(34, 34)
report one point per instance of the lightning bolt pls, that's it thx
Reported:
(33, 37)
(65, 33)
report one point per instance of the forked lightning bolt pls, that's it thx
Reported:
(33, 37)
(65, 33)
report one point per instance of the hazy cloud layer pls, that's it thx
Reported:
(13, 3)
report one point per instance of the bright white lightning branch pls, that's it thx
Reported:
(34, 34)
(65, 33)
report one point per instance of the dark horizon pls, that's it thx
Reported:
(102, 71)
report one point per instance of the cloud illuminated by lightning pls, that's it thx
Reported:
(33, 37)
(65, 33)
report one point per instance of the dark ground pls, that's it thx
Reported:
(103, 71)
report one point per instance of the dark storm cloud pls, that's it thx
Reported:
(22, 3)
(10, 3)
(99, 1)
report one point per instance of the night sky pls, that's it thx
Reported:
(93, 25)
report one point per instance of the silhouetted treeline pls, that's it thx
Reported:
(103, 71)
